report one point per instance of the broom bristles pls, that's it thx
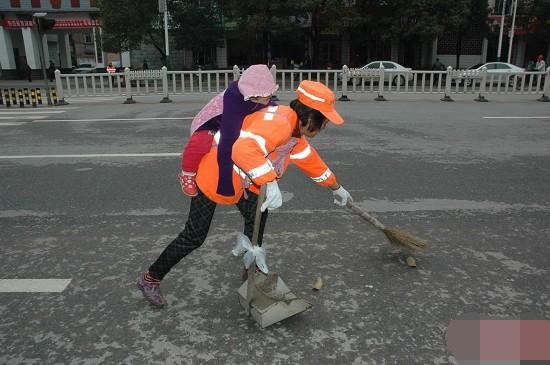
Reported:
(403, 238)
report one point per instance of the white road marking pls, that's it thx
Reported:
(92, 99)
(33, 112)
(20, 157)
(516, 117)
(26, 117)
(10, 124)
(115, 119)
(33, 285)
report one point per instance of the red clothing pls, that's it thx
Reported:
(197, 146)
(262, 153)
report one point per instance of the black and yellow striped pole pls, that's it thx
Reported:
(39, 96)
(13, 96)
(7, 97)
(21, 101)
(33, 98)
(54, 95)
(1, 98)
(26, 95)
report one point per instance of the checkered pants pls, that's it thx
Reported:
(196, 230)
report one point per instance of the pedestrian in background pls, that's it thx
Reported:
(540, 66)
(51, 71)
(438, 66)
(225, 112)
(27, 71)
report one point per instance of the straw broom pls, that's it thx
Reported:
(394, 235)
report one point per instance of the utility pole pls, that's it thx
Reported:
(42, 26)
(501, 30)
(95, 47)
(512, 31)
(163, 8)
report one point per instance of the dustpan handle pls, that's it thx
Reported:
(258, 218)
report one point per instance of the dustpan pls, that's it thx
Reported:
(265, 297)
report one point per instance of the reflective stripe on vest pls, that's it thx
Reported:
(323, 177)
(301, 155)
(259, 140)
(261, 170)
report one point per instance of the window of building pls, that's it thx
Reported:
(93, 3)
(75, 3)
(15, 3)
(35, 3)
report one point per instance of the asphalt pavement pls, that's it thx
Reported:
(89, 197)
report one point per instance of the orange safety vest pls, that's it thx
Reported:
(262, 154)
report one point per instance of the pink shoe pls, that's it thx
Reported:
(151, 292)
(187, 182)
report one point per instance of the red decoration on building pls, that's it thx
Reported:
(59, 24)
(36, 4)
(56, 4)
(15, 3)
(75, 3)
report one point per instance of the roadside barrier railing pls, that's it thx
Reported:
(345, 82)
(23, 97)
(208, 81)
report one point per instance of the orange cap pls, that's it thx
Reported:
(319, 97)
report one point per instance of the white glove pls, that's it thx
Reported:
(273, 197)
(341, 197)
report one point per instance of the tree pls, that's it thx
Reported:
(196, 25)
(412, 22)
(266, 18)
(464, 18)
(325, 15)
(534, 17)
(126, 24)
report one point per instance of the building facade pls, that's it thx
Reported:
(71, 42)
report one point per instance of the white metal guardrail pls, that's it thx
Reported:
(344, 82)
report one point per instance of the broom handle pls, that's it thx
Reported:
(257, 219)
(250, 288)
(366, 216)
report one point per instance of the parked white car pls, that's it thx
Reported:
(84, 68)
(502, 69)
(395, 69)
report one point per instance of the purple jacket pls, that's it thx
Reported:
(233, 109)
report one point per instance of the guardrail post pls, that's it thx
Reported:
(448, 80)
(345, 71)
(128, 82)
(164, 74)
(381, 79)
(236, 73)
(59, 87)
(273, 70)
(480, 97)
(546, 87)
